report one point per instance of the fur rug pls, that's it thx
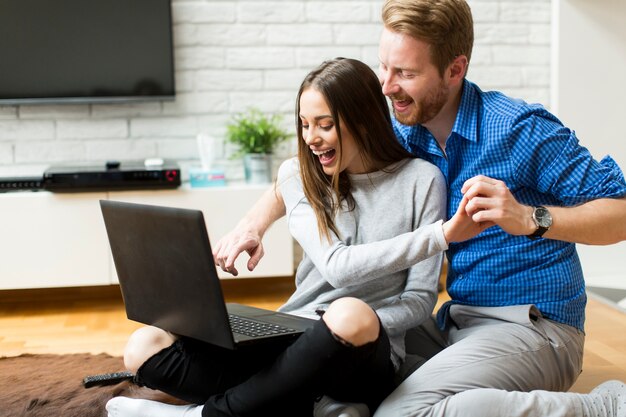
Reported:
(51, 386)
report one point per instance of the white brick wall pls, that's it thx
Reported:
(512, 47)
(234, 54)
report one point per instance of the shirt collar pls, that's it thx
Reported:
(466, 123)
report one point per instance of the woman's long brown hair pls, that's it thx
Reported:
(354, 96)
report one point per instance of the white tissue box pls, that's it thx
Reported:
(200, 177)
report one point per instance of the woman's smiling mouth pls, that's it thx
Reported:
(326, 156)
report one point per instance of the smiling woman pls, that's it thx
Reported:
(319, 133)
(351, 121)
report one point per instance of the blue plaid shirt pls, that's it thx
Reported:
(542, 163)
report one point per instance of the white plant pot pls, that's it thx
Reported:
(257, 168)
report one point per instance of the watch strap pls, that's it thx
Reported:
(538, 233)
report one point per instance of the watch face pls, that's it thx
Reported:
(542, 217)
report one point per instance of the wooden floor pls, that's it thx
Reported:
(93, 320)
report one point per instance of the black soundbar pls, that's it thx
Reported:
(126, 175)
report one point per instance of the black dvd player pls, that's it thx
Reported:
(113, 175)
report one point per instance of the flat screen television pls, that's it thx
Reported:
(85, 51)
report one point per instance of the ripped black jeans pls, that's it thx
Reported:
(279, 379)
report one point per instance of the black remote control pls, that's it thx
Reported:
(106, 379)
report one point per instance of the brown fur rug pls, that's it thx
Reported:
(51, 386)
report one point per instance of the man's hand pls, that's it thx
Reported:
(461, 226)
(490, 200)
(228, 248)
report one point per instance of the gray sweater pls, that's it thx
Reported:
(389, 252)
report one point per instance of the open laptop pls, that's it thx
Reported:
(169, 280)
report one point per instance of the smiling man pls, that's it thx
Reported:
(513, 330)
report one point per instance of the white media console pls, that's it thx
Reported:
(58, 239)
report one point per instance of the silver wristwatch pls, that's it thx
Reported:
(543, 221)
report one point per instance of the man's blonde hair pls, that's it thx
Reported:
(446, 25)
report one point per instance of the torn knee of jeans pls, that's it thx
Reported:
(340, 339)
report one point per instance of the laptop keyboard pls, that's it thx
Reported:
(254, 328)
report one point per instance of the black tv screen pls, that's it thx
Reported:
(56, 51)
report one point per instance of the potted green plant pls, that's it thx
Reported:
(256, 135)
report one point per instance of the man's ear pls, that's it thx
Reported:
(457, 69)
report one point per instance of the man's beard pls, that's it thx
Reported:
(426, 109)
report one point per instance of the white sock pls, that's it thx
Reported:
(609, 399)
(135, 407)
(328, 407)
